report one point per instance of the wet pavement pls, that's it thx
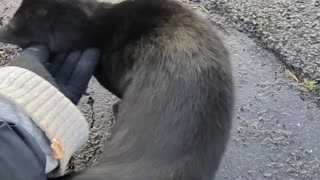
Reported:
(276, 128)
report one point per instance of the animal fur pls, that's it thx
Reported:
(169, 67)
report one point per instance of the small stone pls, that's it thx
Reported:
(267, 174)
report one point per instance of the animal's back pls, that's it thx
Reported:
(168, 66)
(173, 74)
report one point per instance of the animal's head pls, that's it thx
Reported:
(60, 24)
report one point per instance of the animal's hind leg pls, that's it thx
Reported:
(115, 108)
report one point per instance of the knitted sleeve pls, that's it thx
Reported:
(61, 121)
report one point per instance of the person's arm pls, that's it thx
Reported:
(21, 157)
(47, 116)
(10, 114)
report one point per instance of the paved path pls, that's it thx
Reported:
(276, 129)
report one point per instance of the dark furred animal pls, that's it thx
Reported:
(168, 66)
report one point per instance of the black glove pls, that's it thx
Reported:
(33, 59)
(69, 73)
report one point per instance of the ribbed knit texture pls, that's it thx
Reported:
(49, 109)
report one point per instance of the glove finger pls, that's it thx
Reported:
(66, 70)
(38, 52)
(84, 69)
(55, 65)
(69, 93)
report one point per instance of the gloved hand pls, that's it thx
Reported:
(70, 73)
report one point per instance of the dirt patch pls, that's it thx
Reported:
(249, 130)
(7, 53)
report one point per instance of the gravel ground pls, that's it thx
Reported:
(289, 28)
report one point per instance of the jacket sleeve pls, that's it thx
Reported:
(57, 125)
(21, 157)
(13, 115)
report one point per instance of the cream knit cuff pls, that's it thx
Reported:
(55, 114)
